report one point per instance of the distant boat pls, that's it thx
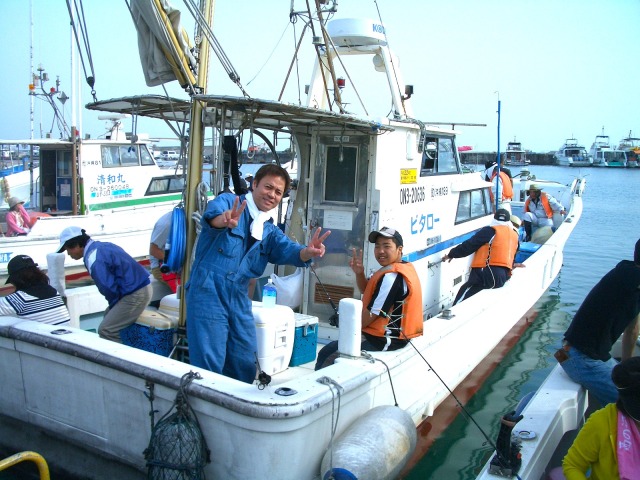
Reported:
(631, 147)
(515, 156)
(571, 154)
(604, 155)
(110, 186)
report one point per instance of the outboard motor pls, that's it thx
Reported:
(507, 460)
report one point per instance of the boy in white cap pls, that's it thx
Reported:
(123, 281)
(391, 301)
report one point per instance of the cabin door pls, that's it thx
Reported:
(338, 202)
(55, 177)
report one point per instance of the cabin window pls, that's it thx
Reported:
(129, 156)
(162, 185)
(110, 156)
(123, 156)
(64, 164)
(145, 157)
(340, 174)
(473, 204)
(438, 156)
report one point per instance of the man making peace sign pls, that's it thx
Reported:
(237, 241)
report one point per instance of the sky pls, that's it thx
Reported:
(559, 68)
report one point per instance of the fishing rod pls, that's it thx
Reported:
(334, 319)
(508, 420)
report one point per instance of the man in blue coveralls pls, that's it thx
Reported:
(237, 241)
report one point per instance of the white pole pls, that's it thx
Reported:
(31, 65)
(74, 75)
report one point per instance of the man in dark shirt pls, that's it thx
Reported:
(610, 309)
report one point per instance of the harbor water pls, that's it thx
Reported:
(606, 234)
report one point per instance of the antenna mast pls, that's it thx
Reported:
(31, 64)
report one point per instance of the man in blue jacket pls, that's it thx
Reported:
(123, 281)
(237, 240)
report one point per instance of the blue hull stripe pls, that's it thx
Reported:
(439, 247)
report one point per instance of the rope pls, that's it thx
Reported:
(370, 357)
(331, 383)
(215, 45)
(91, 79)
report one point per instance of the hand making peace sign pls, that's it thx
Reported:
(315, 248)
(229, 218)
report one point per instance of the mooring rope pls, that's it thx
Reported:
(335, 415)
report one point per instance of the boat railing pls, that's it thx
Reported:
(41, 463)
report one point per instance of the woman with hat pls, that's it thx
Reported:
(539, 208)
(18, 220)
(34, 298)
(609, 442)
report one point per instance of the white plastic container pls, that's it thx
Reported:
(275, 327)
(170, 306)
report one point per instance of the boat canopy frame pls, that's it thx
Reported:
(247, 112)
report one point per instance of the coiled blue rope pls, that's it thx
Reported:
(177, 239)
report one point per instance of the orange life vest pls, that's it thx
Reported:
(545, 204)
(412, 321)
(507, 188)
(500, 251)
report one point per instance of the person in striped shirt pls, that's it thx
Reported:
(34, 298)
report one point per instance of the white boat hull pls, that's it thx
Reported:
(91, 392)
(129, 228)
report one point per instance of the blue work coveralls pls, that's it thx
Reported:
(220, 326)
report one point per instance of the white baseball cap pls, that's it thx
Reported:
(67, 234)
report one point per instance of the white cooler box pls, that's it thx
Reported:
(275, 327)
(170, 306)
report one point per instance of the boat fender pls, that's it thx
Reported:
(376, 446)
(349, 337)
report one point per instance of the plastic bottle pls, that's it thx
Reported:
(269, 294)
